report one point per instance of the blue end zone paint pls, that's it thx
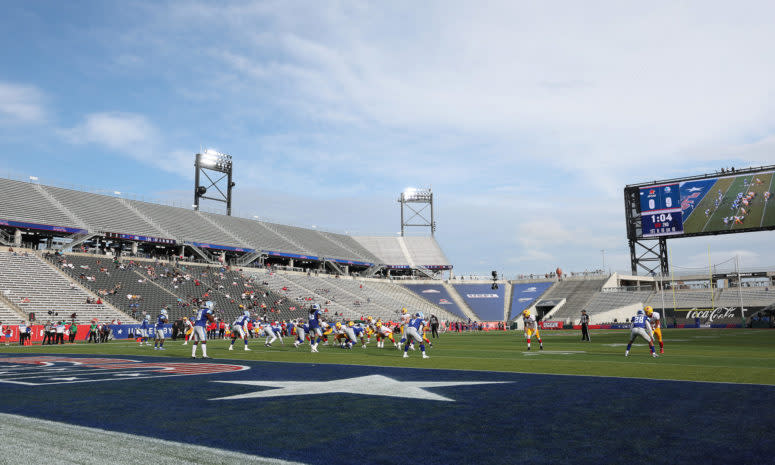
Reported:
(532, 419)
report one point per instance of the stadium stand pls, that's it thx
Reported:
(34, 286)
(154, 285)
(523, 295)
(605, 301)
(422, 251)
(403, 297)
(437, 294)
(8, 315)
(21, 201)
(577, 292)
(487, 303)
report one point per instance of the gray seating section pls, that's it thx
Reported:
(183, 224)
(604, 301)
(103, 213)
(34, 203)
(577, 292)
(9, 316)
(386, 249)
(35, 287)
(425, 251)
(22, 201)
(153, 282)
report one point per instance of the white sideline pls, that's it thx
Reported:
(30, 440)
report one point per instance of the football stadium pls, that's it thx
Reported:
(266, 323)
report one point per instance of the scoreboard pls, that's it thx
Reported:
(660, 207)
(720, 203)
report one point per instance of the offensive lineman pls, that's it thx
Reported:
(640, 327)
(158, 342)
(203, 317)
(656, 326)
(240, 329)
(531, 326)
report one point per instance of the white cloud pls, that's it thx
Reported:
(21, 104)
(131, 135)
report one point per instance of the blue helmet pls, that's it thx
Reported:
(315, 307)
(419, 315)
(210, 304)
(640, 312)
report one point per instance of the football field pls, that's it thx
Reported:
(481, 398)
(759, 213)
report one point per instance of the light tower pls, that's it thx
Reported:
(417, 209)
(213, 162)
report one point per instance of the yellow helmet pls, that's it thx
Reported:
(185, 318)
(351, 324)
(368, 318)
(526, 313)
(648, 310)
(379, 323)
(403, 310)
(338, 325)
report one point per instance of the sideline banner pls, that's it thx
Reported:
(551, 324)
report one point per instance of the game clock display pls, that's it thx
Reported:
(662, 224)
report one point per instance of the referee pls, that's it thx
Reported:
(585, 326)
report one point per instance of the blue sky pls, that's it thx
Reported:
(526, 119)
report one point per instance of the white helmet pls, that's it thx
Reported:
(147, 316)
(164, 311)
(210, 304)
(246, 313)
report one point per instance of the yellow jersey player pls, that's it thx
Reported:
(656, 326)
(531, 327)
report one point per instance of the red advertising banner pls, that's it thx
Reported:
(37, 333)
(551, 324)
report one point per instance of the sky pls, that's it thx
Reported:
(526, 119)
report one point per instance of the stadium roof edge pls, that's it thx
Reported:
(717, 174)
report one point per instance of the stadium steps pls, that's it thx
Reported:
(577, 292)
(9, 310)
(36, 287)
(299, 293)
(58, 205)
(460, 302)
(21, 201)
(224, 230)
(353, 253)
(272, 229)
(148, 219)
(507, 299)
(405, 251)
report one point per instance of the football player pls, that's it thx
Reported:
(655, 319)
(315, 331)
(203, 317)
(412, 333)
(301, 330)
(240, 329)
(383, 332)
(158, 342)
(640, 327)
(531, 326)
(144, 326)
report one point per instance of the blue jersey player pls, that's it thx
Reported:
(158, 341)
(315, 330)
(144, 327)
(413, 329)
(641, 327)
(240, 329)
(203, 317)
(302, 329)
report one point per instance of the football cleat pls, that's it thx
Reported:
(654, 354)
(424, 355)
(661, 351)
(406, 355)
(248, 349)
(231, 347)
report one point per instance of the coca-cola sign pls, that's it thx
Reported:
(710, 315)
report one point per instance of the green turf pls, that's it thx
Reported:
(724, 355)
(759, 212)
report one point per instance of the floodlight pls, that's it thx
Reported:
(33, 178)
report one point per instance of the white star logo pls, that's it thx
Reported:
(372, 385)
